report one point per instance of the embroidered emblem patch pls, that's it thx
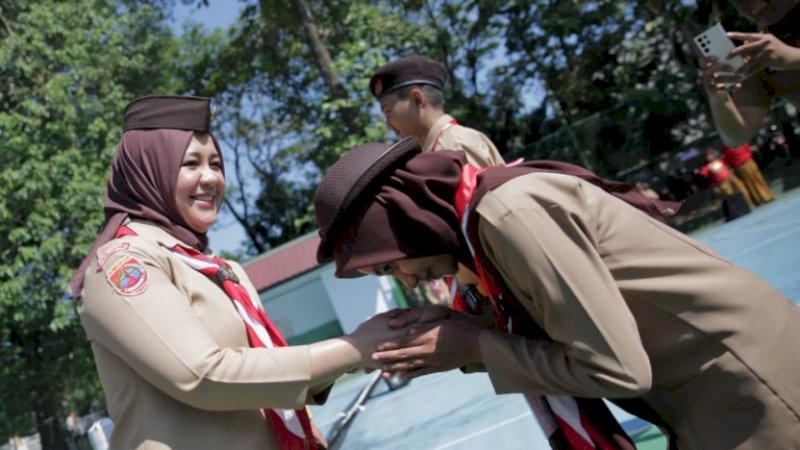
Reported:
(107, 254)
(128, 277)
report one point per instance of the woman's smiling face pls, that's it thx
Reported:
(200, 185)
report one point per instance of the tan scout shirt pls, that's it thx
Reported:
(480, 150)
(636, 308)
(173, 355)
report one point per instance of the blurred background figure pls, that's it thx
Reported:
(745, 168)
(735, 199)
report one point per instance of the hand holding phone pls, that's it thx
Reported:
(714, 42)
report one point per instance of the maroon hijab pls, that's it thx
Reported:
(144, 175)
(413, 215)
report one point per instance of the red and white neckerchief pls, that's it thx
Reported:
(293, 427)
(555, 413)
(449, 124)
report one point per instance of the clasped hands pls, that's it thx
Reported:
(759, 50)
(420, 341)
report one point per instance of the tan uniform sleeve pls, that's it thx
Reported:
(480, 150)
(317, 394)
(157, 333)
(547, 257)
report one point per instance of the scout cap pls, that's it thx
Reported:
(414, 69)
(349, 184)
(168, 112)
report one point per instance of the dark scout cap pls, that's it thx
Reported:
(406, 71)
(168, 111)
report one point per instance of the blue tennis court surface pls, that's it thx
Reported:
(452, 410)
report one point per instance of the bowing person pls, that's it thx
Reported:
(594, 297)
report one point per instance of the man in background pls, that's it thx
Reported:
(410, 93)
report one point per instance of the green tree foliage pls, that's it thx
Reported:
(621, 78)
(617, 84)
(290, 80)
(67, 70)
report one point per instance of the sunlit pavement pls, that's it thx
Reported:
(456, 411)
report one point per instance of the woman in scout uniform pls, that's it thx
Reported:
(595, 297)
(186, 355)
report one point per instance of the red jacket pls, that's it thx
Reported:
(738, 155)
(716, 171)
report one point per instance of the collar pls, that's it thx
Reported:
(435, 131)
(150, 230)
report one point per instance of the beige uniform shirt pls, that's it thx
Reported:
(637, 309)
(173, 356)
(444, 135)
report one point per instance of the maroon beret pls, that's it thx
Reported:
(168, 111)
(406, 71)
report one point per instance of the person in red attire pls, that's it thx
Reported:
(741, 160)
(735, 199)
(721, 177)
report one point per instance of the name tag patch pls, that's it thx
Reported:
(101, 261)
(128, 276)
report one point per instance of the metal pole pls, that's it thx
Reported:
(355, 408)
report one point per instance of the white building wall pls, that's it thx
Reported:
(357, 299)
(318, 297)
(298, 305)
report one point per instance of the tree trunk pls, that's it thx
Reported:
(321, 55)
(322, 58)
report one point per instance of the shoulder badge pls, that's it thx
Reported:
(128, 276)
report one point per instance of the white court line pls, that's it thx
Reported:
(749, 230)
(763, 243)
(483, 431)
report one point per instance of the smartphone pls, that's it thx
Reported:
(714, 42)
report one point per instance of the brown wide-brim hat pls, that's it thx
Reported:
(347, 188)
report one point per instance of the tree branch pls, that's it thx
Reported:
(7, 26)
